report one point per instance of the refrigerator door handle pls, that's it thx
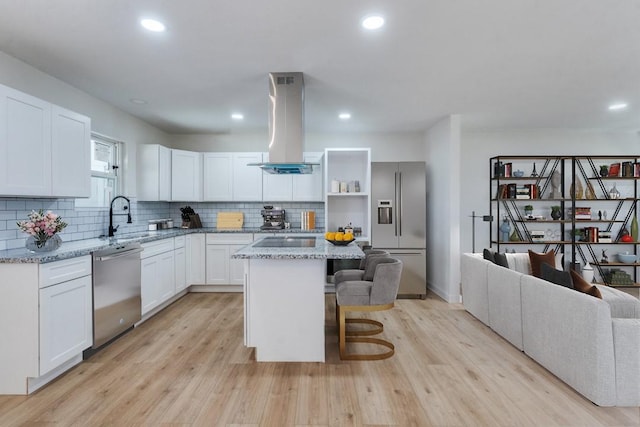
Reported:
(395, 200)
(399, 201)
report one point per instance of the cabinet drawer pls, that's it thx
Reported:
(229, 238)
(157, 247)
(65, 270)
(179, 242)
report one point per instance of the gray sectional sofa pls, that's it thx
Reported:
(591, 344)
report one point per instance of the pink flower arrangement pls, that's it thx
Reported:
(42, 226)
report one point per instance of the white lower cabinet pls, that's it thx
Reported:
(157, 273)
(66, 313)
(221, 269)
(180, 263)
(46, 321)
(236, 266)
(195, 263)
(217, 265)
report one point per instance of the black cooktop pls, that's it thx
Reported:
(286, 242)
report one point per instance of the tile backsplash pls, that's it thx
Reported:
(87, 223)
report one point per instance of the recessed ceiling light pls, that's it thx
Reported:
(152, 25)
(618, 106)
(138, 101)
(344, 116)
(237, 116)
(372, 22)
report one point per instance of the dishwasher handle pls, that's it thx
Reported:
(119, 255)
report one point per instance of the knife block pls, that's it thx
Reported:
(193, 222)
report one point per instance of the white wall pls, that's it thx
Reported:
(385, 147)
(442, 148)
(105, 118)
(478, 147)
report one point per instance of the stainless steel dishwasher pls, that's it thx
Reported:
(116, 291)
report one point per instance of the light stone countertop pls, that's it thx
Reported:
(78, 248)
(322, 250)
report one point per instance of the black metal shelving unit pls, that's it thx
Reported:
(560, 234)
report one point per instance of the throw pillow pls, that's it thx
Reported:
(559, 277)
(579, 284)
(500, 259)
(489, 255)
(537, 260)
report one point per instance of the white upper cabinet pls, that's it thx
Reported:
(218, 177)
(25, 144)
(154, 173)
(186, 176)
(34, 136)
(297, 188)
(70, 154)
(247, 180)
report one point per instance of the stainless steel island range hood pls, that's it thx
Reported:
(286, 125)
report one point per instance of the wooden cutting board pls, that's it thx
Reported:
(230, 220)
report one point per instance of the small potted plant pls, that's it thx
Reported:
(556, 213)
(528, 211)
(578, 233)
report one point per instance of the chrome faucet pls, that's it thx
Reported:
(127, 208)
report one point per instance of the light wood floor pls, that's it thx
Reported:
(187, 366)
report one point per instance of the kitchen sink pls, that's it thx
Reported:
(286, 242)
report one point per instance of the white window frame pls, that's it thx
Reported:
(114, 174)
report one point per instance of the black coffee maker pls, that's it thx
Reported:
(273, 218)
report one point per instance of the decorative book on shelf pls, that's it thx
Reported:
(519, 192)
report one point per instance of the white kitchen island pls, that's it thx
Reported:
(284, 296)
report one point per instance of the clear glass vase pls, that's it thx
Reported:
(51, 244)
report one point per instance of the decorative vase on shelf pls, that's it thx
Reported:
(604, 170)
(556, 213)
(587, 273)
(634, 228)
(590, 193)
(614, 193)
(47, 245)
(505, 228)
(576, 190)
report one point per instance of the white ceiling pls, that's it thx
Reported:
(506, 64)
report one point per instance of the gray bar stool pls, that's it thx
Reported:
(357, 274)
(367, 296)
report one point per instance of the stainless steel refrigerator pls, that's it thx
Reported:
(399, 211)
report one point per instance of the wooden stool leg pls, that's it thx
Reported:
(341, 331)
(344, 338)
(373, 331)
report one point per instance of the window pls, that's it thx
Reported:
(105, 170)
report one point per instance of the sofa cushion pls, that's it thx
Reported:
(538, 259)
(473, 275)
(579, 284)
(489, 255)
(559, 277)
(505, 313)
(570, 334)
(622, 304)
(519, 262)
(500, 259)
